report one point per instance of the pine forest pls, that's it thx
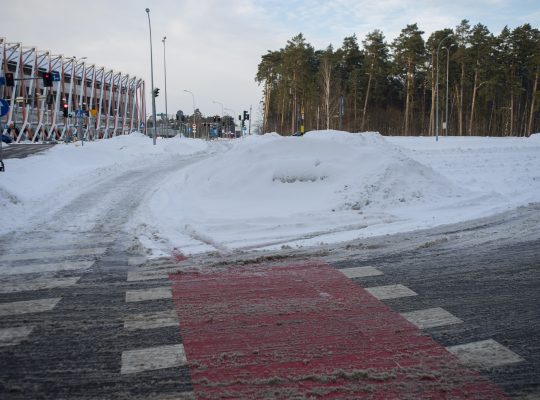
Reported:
(487, 84)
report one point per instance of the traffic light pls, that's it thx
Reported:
(156, 92)
(246, 116)
(65, 109)
(9, 79)
(47, 79)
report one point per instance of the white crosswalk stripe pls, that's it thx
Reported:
(28, 306)
(151, 320)
(15, 335)
(163, 292)
(14, 286)
(390, 292)
(484, 354)
(153, 358)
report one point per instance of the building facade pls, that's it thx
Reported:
(89, 100)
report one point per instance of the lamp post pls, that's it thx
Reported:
(165, 73)
(437, 90)
(152, 79)
(193, 96)
(447, 48)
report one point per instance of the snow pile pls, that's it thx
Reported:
(46, 181)
(270, 189)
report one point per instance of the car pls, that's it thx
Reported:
(6, 139)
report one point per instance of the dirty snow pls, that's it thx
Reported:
(271, 191)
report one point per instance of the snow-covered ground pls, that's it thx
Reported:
(266, 192)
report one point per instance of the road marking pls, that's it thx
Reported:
(431, 318)
(53, 254)
(36, 284)
(302, 329)
(390, 292)
(173, 396)
(28, 306)
(151, 320)
(163, 292)
(14, 336)
(134, 276)
(484, 354)
(153, 358)
(360, 272)
(46, 267)
(136, 260)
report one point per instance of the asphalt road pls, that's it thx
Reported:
(486, 273)
(22, 150)
(85, 316)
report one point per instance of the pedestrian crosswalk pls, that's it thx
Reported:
(483, 354)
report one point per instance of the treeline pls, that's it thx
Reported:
(391, 88)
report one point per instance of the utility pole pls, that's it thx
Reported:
(152, 79)
(165, 72)
(250, 117)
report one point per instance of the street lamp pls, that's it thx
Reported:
(437, 89)
(152, 79)
(193, 96)
(447, 48)
(165, 72)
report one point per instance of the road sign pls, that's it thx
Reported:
(4, 107)
(2, 80)
(79, 113)
(55, 76)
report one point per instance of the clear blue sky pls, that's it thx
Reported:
(213, 47)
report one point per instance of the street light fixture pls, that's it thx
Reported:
(447, 48)
(437, 89)
(193, 96)
(165, 72)
(152, 79)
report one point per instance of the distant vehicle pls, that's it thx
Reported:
(297, 133)
(6, 139)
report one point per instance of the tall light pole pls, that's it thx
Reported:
(165, 72)
(437, 89)
(447, 48)
(193, 96)
(152, 79)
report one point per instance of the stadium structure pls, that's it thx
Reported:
(52, 97)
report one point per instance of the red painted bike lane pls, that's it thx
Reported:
(306, 331)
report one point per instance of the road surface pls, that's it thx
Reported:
(84, 314)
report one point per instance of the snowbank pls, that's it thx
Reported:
(45, 181)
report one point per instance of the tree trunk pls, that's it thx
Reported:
(432, 110)
(408, 97)
(473, 101)
(461, 90)
(533, 98)
(362, 127)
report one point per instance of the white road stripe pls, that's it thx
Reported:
(28, 306)
(134, 276)
(153, 358)
(431, 318)
(56, 254)
(45, 267)
(151, 320)
(360, 272)
(14, 336)
(157, 293)
(484, 354)
(11, 286)
(390, 292)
